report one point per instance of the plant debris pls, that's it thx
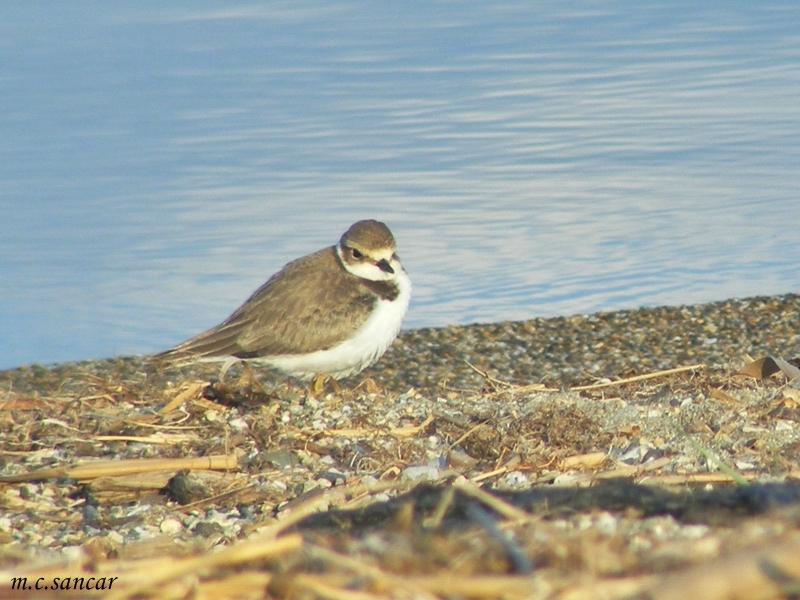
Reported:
(615, 455)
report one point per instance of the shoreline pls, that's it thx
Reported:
(114, 463)
(562, 350)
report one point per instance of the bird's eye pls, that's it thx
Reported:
(356, 253)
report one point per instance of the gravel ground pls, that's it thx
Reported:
(568, 350)
(517, 407)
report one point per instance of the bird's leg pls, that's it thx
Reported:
(246, 380)
(249, 381)
(368, 383)
(317, 385)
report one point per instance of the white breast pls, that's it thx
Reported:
(360, 351)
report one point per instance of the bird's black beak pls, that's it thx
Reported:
(384, 266)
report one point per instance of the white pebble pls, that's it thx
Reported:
(423, 472)
(238, 424)
(115, 537)
(171, 526)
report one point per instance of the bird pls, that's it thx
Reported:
(332, 312)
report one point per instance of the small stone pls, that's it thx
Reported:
(424, 472)
(115, 537)
(28, 491)
(89, 513)
(171, 526)
(206, 529)
(516, 480)
(238, 424)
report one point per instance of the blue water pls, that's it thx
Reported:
(159, 161)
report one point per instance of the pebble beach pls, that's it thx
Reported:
(651, 396)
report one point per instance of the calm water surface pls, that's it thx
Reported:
(160, 161)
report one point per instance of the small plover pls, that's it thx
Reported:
(335, 311)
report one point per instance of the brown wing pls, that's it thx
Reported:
(311, 304)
